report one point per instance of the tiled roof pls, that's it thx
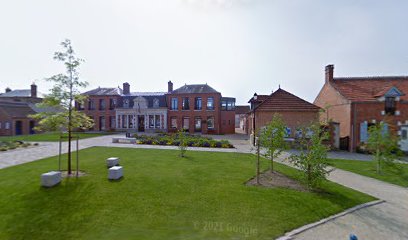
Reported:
(17, 93)
(369, 88)
(282, 100)
(16, 110)
(195, 88)
(104, 91)
(242, 109)
(259, 98)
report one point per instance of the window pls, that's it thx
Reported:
(151, 121)
(112, 122)
(157, 121)
(7, 125)
(210, 123)
(174, 104)
(210, 103)
(126, 103)
(155, 103)
(91, 105)
(80, 106)
(102, 125)
(197, 124)
(102, 104)
(223, 105)
(390, 105)
(404, 134)
(185, 104)
(173, 122)
(198, 105)
(230, 106)
(112, 103)
(186, 123)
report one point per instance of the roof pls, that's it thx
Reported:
(259, 98)
(17, 93)
(282, 100)
(104, 91)
(149, 97)
(370, 88)
(242, 109)
(194, 88)
(16, 110)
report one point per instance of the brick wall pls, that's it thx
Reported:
(96, 114)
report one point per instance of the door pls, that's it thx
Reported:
(31, 128)
(141, 123)
(19, 127)
(404, 138)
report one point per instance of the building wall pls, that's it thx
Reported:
(96, 114)
(11, 131)
(228, 122)
(192, 114)
(338, 108)
(3, 119)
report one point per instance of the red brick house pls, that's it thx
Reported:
(295, 111)
(200, 108)
(358, 102)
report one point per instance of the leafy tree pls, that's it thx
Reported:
(272, 138)
(60, 100)
(181, 135)
(312, 159)
(383, 145)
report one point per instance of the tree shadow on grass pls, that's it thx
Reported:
(46, 213)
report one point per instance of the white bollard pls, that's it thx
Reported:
(112, 161)
(50, 179)
(115, 172)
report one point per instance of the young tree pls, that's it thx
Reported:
(61, 99)
(382, 144)
(183, 142)
(272, 138)
(312, 159)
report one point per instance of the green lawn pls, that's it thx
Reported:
(369, 169)
(48, 137)
(162, 196)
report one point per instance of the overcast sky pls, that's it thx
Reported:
(236, 46)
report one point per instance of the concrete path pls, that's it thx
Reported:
(388, 220)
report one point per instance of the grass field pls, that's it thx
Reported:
(369, 169)
(48, 137)
(162, 196)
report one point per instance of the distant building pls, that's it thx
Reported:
(240, 116)
(21, 95)
(356, 103)
(295, 112)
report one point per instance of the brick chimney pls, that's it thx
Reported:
(126, 88)
(329, 73)
(8, 90)
(169, 86)
(33, 90)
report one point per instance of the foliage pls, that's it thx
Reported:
(272, 138)
(383, 145)
(312, 159)
(10, 145)
(183, 143)
(160, 197)
(59, 114)
(173, 139)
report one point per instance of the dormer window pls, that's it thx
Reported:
(155, 103)
(126, 103)
(390, 105)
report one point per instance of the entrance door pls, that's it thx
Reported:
(404, 138)
(31, 129)
(19, 127)
(141, 123)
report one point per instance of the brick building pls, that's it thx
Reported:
(240, 116)
(295, 112)
(15, 106)
(358, 102)
(200, 108)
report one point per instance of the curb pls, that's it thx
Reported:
(293, 233)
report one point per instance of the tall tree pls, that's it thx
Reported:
(272, 138)
(61, 98)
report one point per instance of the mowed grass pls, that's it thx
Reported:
(398, 176)
(162, 196)
(49, 137)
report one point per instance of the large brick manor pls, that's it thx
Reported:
(194, 108)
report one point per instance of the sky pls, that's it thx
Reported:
(238, 47)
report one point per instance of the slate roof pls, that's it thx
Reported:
(104, 92)
(149, 96)
(242, 109)
(282, 100)
(194, 88)
(369, 88)
(16, 110)
(259, 98)
(17, 93)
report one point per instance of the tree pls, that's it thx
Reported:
(382, 144)
(312, 159)
(61, 99)
(183, 142)
(272, 138)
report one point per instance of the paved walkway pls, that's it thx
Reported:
(388, 220)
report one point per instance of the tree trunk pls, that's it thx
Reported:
(257, 164)
(309, 175)
(377, 155)
(69, 122)
(271, 162)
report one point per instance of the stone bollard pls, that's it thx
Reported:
(112, 161)
(115, 172)
(50, 179)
